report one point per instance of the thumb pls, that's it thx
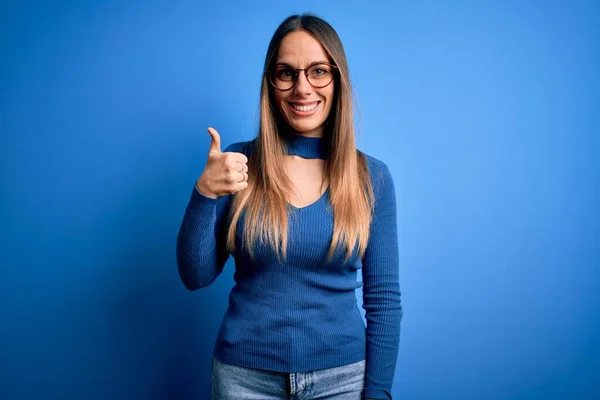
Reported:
(215, 143)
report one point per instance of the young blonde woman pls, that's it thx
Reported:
(302, 211)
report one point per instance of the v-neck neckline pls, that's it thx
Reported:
(314, 203)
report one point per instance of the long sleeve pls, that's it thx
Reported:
(381, 290)
(201, 252)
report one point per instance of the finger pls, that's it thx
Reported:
(243, 177)
(241, 186)
(215, 142)
(240, 157)
(243, 167)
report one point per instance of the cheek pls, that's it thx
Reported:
(329, 95)
(279, 99)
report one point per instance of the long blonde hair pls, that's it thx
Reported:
(265, 200)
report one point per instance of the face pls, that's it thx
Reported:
(304, 107)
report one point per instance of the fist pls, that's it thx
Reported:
(224, 173)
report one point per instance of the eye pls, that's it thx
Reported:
(285, 73)
(319, 71)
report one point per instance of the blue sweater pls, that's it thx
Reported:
(302, 315)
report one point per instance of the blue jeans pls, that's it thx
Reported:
(230, 382)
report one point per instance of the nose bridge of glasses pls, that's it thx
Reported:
(304, 73)
(301, 83)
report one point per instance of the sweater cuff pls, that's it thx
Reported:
(202, 205)
(201, 194)
(378, 394)
(198, 196)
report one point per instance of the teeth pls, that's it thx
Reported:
(305, 108)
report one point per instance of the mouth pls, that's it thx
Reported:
(304, 109)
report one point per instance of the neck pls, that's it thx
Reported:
(286, 130)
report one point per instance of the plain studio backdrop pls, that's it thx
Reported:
(487, 113)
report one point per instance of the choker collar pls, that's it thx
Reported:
(306, 147)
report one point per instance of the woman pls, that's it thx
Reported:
(301, 210)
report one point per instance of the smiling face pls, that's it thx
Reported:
(304, 107)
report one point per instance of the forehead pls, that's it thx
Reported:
(301, 47)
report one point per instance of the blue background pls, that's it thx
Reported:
(486, 112)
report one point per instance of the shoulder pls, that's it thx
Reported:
(244, 147)
(379, 172)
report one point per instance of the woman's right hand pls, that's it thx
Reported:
(224, 173)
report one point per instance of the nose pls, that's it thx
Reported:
(302, 85)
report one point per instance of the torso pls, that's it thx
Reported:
(308, 179)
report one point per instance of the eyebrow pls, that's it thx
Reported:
(310, 65)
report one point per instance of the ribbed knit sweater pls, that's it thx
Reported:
(301, 314)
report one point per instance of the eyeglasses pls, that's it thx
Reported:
(284, 77)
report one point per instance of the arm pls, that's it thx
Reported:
(201, 252)
(381, 290)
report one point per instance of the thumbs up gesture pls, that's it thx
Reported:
(224, 173)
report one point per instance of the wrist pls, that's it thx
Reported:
(201, 187)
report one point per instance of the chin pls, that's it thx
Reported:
(304, 126)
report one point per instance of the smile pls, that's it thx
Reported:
(305, 107)
(304, 110)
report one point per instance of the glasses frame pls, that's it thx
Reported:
(305, 70)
